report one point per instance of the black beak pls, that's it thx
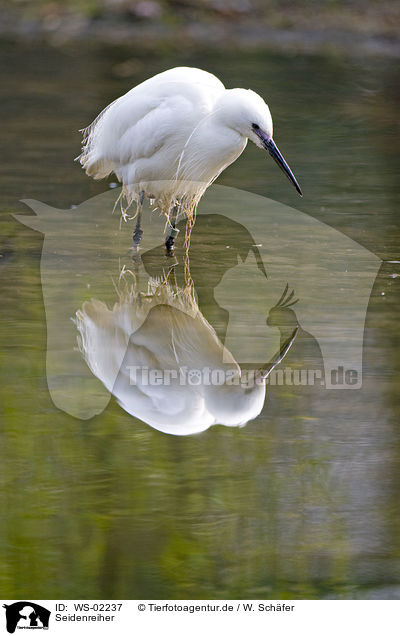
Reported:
(273, 150)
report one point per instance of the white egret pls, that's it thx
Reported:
(162, 360)
(171, 136)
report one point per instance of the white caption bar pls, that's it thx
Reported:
(198, 617)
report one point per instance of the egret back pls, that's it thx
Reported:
(164, 332)
(143, 135)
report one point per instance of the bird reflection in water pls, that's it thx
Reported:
(223, 253)
(163, 361)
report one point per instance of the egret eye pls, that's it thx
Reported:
(255, 126)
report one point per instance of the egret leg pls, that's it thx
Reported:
(138, 232)
(172, 231)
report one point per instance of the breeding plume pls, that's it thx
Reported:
(169, 138)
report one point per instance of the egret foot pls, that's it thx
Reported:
(138, 232)
(169, 245)
(137, 236)
(170, 240)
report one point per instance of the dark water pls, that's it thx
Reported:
(302, 502)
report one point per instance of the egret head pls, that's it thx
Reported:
(239, 108)
(248, 114)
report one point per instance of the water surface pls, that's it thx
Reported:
(303, 501)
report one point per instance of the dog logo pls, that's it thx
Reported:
(26, 615)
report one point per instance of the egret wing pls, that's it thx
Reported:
(160, 112)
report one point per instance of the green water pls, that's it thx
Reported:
(302, 502)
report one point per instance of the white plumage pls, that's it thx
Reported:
(164, 332)
(172, 135)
